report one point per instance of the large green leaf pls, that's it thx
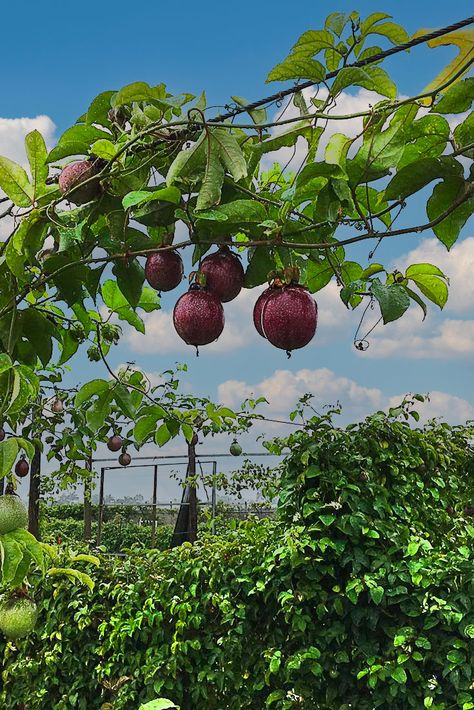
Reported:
(312, 42)
(415, 176)
(167, 194)
(393, 299)
(458, 98)
(213, 177)
(89, 390)
(261, 262)
(432, 286)
(77, 141)
(99, 410)
(464, 132)
(188, 162)
(15, 184)
(37, 154)
(130, 277)
(124, 400)
(372, 78)
(230, 153)
(297, 66)
(12, 557)
(8, 454)
(441, 200)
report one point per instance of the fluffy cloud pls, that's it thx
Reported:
(283, 388)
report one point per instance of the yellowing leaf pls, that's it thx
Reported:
(464, 40)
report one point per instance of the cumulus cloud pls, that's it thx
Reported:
(283, 388)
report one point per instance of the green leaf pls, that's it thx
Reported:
(124, 400)
(442, 198)
(416, 175)
(15, 184)
(145, 426)
(337, 148)
(8, 454)
(258, 115)
(371, 20)
(37, 154)
(103, 148)
(99, 109)
(39, 331)
(312, 42)
(376, 594)
(261, 262)
(162, 435)
(89, 390)
(158, 704)
(189, 161)
(230, 153)
(464, 132)
(391, 30)
(393, 300)
(336, 21)
(399, 674)
(166, 194)
(458, 98)
(297, 66)
(372, 78)
(213, 178)
(99, 410)
(76, 141)
(12, 557)
(73, 574)
(130, 278)
(30, 543)
(415, 297)
(432, 287)
(422, 269)
(5, 362)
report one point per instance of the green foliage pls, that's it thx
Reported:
(360, 595)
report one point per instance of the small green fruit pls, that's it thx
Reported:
(13, 514)
(17, 617)
(235, 448)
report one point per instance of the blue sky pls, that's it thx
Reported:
(67, 53)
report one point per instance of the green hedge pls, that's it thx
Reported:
(116, 535)
(361, 596)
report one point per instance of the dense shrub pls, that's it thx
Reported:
(360, 596)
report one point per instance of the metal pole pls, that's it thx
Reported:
(214, 496)
(88, 502)
(101, 506)
(155, 484)
(193, 511)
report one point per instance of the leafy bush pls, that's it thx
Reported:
(360, 596)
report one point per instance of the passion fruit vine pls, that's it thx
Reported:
(198, 316)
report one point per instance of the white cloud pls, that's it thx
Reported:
(283, 388)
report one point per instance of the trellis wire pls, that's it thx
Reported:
(361, 63)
